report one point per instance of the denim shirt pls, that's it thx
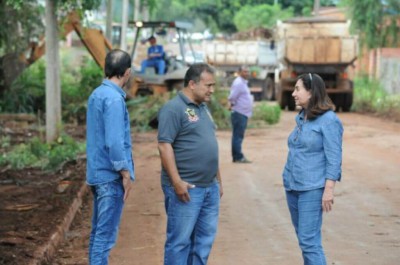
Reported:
(109, 147)
(315, 152)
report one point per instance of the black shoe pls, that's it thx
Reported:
(243, 160)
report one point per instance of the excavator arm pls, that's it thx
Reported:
(12, 65)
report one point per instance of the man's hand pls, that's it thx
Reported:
(221, 190)
(126, 182)
(181, 190)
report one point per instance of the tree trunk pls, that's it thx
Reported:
(136, 10)
(53, 87)
(316, 7)
(125, 12)
(109, 20)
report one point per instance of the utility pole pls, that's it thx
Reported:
(136, 10)
(124, 26)
(109, 14)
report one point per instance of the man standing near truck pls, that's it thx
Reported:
(241, 105)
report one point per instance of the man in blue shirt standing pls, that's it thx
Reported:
(109, 155)
(155, 57)
(241, 102)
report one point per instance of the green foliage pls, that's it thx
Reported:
(219, 110)
(21, 22)
(27, 93)
(267, 112)
(260, 16)
(375, 22)
(76, 91)
(218, 14)
(5, 141)
(42, 155)
(142, 110)
(369, 96)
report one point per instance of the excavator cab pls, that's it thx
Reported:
(174, 37)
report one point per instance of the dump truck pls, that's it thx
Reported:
(257, 51)
(320, 46)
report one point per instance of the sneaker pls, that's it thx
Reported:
(243, 160)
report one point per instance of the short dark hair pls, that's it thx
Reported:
(194, 72)
(117, 61)
(243, 67)
(319, 102)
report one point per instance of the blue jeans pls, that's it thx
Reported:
(239, 124)
(191, 226)
(107, 209)
(306, 211)
(159, 64)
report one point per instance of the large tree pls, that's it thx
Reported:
(376, 22)
(55, 10)
(260, 16)
(218, 14)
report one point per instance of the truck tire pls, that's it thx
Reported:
(290, 101)
(282, 100)
(176, 85)
(347, 102)
(268, 92)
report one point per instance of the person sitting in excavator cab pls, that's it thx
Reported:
(155, 57)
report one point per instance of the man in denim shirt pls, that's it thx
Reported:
(313, 165)
(109, 155)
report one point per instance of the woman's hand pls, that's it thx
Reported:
(327, 197)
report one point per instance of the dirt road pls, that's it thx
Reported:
(254, 228)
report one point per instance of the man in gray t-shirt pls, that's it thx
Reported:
(190, 175)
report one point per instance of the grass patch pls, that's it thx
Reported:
(370, 97)
(268, 112)
(37, 154)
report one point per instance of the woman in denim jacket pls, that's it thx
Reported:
(313, 164)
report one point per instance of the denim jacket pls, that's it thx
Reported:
(109, 148)
(315, 152)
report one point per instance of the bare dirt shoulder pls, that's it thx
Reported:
(255, 228)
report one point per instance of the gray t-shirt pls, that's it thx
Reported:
(190, 129)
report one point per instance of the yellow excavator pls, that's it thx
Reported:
(12, 65)
(98, 45)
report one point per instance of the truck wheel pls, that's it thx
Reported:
(175, 85)
(337, 100)
(282, 100)
(347, 102)
(290, 100)
(268, 90)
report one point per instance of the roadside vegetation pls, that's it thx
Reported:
(36, 154)
(370, 97)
